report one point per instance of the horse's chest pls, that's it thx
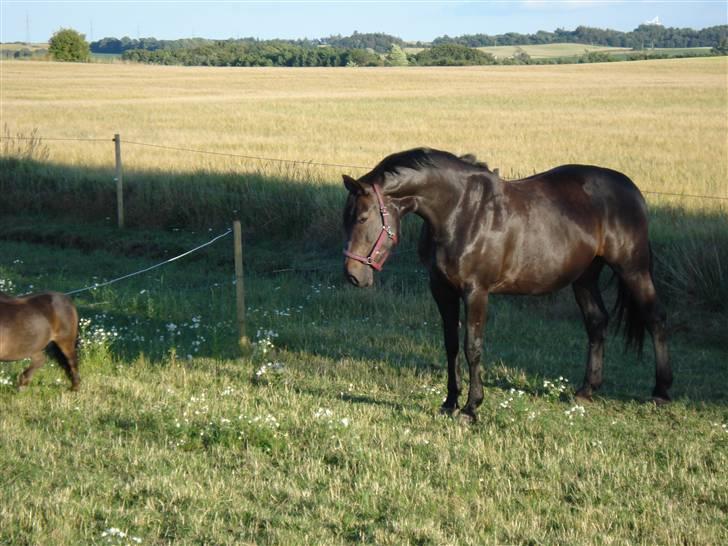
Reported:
(464, 267)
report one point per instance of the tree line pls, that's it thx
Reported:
(356, 50)
(643, 37)
(272, 53)
(375, 41)
(286, 54)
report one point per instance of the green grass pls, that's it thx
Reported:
(334, 435)
(105, 57)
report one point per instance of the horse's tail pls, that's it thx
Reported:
(54, 351)
(627, 309)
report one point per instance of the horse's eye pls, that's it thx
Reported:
(362, 219)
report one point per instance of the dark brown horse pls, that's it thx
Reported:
(31, 324)
(484, 235)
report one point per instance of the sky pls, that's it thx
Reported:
(37, 20)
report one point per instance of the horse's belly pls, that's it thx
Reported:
(523, 286)
(542, 276)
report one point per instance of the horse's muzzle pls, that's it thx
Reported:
(361, 277)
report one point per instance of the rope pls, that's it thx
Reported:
(99, 285)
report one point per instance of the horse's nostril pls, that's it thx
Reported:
(353, 280)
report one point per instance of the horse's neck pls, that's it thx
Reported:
(434, 199)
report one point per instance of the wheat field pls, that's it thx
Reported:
(664, 123)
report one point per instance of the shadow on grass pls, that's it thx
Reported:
(293, 223)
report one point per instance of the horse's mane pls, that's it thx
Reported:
(419, 159)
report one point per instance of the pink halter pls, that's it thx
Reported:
(386, 233)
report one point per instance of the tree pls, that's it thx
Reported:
(721, 48)
(521, 56)
(362, 57)
(68, 45)
(453, 55)
(397, 56)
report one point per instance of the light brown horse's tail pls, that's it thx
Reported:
(63, 348)
(628, 315)
(55, 352)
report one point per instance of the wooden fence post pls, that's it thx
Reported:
(239, 287)
(119, 182)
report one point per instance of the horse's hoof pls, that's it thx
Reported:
(660, 397)
(452, 411)
(584, 395)
(467, 417)
(74, 388)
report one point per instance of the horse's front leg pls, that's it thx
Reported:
(448, 303)
(476, 314)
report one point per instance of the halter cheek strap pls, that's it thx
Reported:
(377, 256)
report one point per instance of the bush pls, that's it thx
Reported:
(397, 56)
(596, 57)
(453, 55)
(68, 45)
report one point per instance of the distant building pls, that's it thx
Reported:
(655, 21)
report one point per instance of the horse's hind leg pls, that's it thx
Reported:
(642, 290)
(586, 291)
(66, 354)
(36, 361)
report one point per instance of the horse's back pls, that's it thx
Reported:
(603, 198)
(598, 183)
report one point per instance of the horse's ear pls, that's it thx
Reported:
(354, 186)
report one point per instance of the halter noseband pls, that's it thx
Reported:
(386, 233)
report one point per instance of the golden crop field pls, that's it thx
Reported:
(664, 123)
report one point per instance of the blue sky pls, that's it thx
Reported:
(411, 20)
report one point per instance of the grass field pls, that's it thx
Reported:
(545, 51)
(328, 432)
(552, 51)
(334, 436)
(549, 51)
(16, 46)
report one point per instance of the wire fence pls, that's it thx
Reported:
(293, 269)
(287, 161)
(193, 150)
